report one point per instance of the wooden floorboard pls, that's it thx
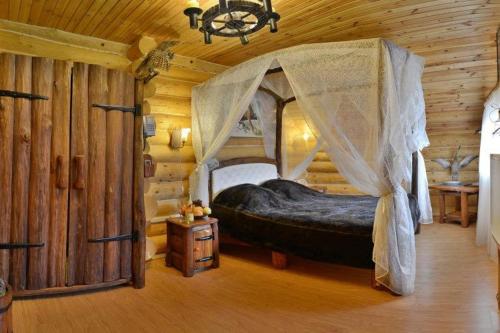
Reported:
(456, 286)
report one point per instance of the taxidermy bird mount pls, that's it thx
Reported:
(455, 164)
(157, 59)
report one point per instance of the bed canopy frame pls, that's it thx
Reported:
(364, 101)
(280, 107)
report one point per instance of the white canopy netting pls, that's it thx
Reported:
(363, 103)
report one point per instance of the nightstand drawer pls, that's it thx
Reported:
(203, 248)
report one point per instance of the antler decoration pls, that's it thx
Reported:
(456, 164)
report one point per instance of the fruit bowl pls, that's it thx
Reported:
(195, 210)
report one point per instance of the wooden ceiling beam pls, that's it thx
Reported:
(39, 41)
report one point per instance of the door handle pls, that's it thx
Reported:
(61, 172)
(79, 172)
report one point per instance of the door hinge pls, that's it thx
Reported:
(133, 237)
(136, 110)
(12, 246)
(15, 94)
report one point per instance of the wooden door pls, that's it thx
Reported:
(70, 188)
(101, 176)
(34, 150)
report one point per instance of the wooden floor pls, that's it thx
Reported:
(456, 286)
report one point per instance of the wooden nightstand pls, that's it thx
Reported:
(461, 194)
(192, 247)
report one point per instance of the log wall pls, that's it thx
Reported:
(168, 99)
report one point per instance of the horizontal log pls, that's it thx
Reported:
(164, 154)
(444, 139)
(39, 41)
(325, 178)
(322, 157)
(166, 191)
(441, 176)
(164, 126)
(447, 152)
(176, 73)
(230, 152)
(321, 166)
(176, 88)
(171, 206)
(197, 65)
(241, 141)
(156, 229)
(173, 171)
(433, 166)
(160, 242)
(167, 101)
(170, 105)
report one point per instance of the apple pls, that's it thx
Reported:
(198, 211)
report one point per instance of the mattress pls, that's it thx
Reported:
(288, 217)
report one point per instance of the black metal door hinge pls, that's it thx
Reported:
(12, 246)
(133, 237)
(15, 94)
(136, 110)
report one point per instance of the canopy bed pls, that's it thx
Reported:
(363, 102)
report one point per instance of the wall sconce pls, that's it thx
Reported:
(306, 136)
(179, 137)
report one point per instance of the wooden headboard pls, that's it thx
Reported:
(259, 164)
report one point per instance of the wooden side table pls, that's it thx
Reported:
(192, 247)
(461, 194)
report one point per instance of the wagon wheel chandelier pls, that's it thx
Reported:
(232, 18)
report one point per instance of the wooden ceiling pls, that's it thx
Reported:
(457, 38)
(419, 24)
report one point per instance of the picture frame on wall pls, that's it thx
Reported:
(249, 126)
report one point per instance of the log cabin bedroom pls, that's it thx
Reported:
(249, 166)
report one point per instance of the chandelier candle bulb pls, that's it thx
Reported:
(193, 10)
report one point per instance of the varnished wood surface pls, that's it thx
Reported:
(455, 292)
(459, 188)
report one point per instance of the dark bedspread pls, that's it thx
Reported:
(289, 217)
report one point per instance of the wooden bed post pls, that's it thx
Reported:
(280, 260)
(280, 106)
(139, 224)
(414, 181)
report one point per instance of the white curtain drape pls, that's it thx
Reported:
(354, 98)
(264, 106)
(216, 109)
(412, 115)
(490, 144)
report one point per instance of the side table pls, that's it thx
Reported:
(192, 247)
(461, 194)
